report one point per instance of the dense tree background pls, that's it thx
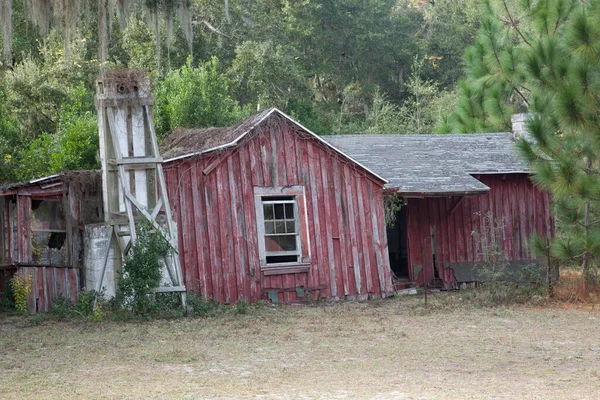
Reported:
(338, 66)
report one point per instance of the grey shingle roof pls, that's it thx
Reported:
(433, 164)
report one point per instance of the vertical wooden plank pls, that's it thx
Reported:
(522, 221)
(327, 222)
(473, 226)
(273, 157)
(507, 216)
(254, 152)
(351, 232)
(377, 244)
(251, 244)
(460, 230)
(225, 234)
(318, 217)
(248, 177)
(265, 158)
(371, 244)
(45, 288)
(304, 170)
(39, 288)
(292, 156)
(530, 215)
(9, 232)
(237, 225)
(433, 234)
(73, 280)
(213, 235)
(364, 239)
(198, 228)
(341, 271)
(59, 279)
(282, 154)
(183, 216)
(387, 285)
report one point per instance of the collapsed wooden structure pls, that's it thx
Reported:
(267, 209)
(465, 197)
(41, 233)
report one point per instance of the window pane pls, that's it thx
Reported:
(269, 227)
(289, 211)
(268, 211)
(279, 227)
(280, 243)
(290, 227)
(288, 242)
(278, 211)
(272, 243)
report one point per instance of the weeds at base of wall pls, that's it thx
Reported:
(21, 288)
(92, 306)
(501, 288)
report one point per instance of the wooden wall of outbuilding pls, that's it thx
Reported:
(517, 207)
(214, 206)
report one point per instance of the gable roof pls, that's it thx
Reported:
(434, 164)
(189, 142)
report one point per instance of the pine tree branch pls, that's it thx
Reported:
(514, 24)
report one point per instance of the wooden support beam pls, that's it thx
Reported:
(457, 204)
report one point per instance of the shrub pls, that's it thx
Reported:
(141, 272)
(21, 287)
(198, 306)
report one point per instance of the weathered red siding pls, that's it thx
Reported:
(213, 201)
(519, 208)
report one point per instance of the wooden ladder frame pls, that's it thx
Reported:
(125, 164)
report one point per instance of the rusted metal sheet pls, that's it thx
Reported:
(454, 225)
(343, 229)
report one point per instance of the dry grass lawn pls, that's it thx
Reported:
(392, 349)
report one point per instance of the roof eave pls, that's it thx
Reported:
(267, 115)
(442, 193)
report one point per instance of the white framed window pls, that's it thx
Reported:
(281, 233)
(281, 226)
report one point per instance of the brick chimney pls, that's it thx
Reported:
(519, 127)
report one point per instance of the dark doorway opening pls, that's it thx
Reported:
(397, 246)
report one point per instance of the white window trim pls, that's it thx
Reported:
(302, 221)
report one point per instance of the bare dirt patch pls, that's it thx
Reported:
(391, 349)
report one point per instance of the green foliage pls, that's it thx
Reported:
(499, 66)
(89, 305)
(21, 287)
(142, 272)
(195, 97)
(7, 298)
(564, 152)
(200, 307)
(73, 146)
(267, 76)
(392, 203)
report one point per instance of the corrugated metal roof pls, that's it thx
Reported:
(433, 164)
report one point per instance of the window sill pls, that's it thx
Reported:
(287, 268)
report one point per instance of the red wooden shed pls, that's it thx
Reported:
(462, 193)
(41, 233)
(267, 209)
